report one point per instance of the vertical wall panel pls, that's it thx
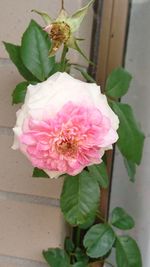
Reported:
(135, 197)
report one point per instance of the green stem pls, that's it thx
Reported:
(63, 58)
(78, 232)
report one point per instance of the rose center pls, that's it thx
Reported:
(60, 32)
(66, 143)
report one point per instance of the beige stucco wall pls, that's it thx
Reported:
(30, 218)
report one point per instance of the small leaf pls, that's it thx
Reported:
(81, 256)
(72, 43)
(56, 257)
(69, 245)
(118, 83)
(47, 19)
(131, 169)
(121, 219)
(39, 173)
(131, 138)
(127, 252)
(86, 76)
(99, 240)
(77, 18)
(76, 47)
(14, 54)
(19, 93)
(79, 198)
(34, 51)
(99, 172)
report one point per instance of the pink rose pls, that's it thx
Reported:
(65, 125)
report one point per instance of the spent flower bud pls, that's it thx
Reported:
(61, 30)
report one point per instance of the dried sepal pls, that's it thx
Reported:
(47, 19)
(61, 30)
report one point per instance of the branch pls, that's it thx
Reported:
(62, 4)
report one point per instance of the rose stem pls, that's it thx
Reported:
(62, 4)
(63, 58)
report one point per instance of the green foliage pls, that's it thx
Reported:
(80, 198)
(127, 252)
(38, 173)
(121, 220)
(90, 221)
(99, 172)
(75, 46)
(131, 169)
(56, 257)
(19, 93)
(81, 256)
(15, 56)
(34, 51)
(131, 139)
(57, 68)
(118, 83)
(80, 264)
(69, 245)
(99, 240)
(85, 75)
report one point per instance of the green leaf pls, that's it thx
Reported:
(72, 43)
(118, 83)
(121, 219)
(34, 51)
(80, 264)
(80, 198)
(39, 173)
(57, 68)
(77, 18)
(81, 256)
(69, 245)
(127, 252)
(56, 257)
(47, 19)
(19, 93)
(99, 172)
(86, 76)
(76, 47)
(90, 221)
(14, 54)
(99, 240)
(131, 169)
(131, 138)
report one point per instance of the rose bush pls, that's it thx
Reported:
(65, 125)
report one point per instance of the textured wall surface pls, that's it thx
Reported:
(135, 197)
(30, 218)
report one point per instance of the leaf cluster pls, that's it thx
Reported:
(98, 243)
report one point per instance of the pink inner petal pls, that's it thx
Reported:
(70, 141)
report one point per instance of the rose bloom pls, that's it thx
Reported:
(64, 125)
